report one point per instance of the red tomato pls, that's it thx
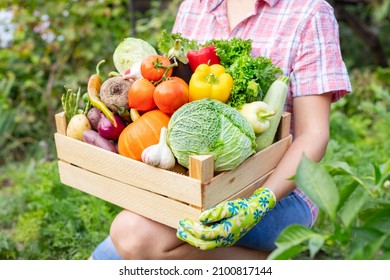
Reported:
(185, 84)
(171, 94)
(141, 95)
(153, 67)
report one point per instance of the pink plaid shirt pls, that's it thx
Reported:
(301, 37)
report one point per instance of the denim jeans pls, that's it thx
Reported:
(290, 210)
(106, 251)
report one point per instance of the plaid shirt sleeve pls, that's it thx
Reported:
(319, 58)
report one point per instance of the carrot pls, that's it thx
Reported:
(93, 89)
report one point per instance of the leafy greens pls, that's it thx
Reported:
(167, 41)
(252, 76)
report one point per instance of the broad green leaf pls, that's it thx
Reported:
(385, 256)
(351, 207)
(380, 221)
(366, 244)
(313, 179)
(315, 244)
(377, 174)
(345, 192)
(292, 240)
(286, 253)
(385, 173)
(373, 207)
(294, 235)
(338, 168)
(386, 167)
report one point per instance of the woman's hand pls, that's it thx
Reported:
(224, 224)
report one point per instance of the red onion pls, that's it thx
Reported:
(107, 130)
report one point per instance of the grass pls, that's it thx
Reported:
(43, 219)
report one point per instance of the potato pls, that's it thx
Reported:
(94, 138)
(94, 115)
(77, 125)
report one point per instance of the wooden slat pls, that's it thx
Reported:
(145, 203)
(61, 123)
(228, 183)
(128, 171)
(248, 190)
(201, 168)
(284, 126)
(203, 192)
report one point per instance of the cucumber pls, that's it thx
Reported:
(275, 98)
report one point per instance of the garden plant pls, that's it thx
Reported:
(55, 46)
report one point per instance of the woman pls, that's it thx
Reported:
(301, 37)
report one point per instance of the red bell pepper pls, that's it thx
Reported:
(205, 55)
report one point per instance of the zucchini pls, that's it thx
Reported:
(275, 98)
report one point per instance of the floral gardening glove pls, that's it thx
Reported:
(224, 224)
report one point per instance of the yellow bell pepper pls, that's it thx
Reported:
(210, 82)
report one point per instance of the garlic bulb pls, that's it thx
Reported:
(159, 155)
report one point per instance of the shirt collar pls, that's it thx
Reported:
(213, 4)
(271, 2)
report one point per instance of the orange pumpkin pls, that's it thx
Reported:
(142, 133)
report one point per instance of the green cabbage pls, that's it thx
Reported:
(130, 51)
(210, 127)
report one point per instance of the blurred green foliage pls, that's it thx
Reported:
(58, 44)
(372, 16)
(354, 219)
(42, 219)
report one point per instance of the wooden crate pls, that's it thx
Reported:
(162, 195)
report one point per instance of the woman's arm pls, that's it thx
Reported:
(311, 125)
